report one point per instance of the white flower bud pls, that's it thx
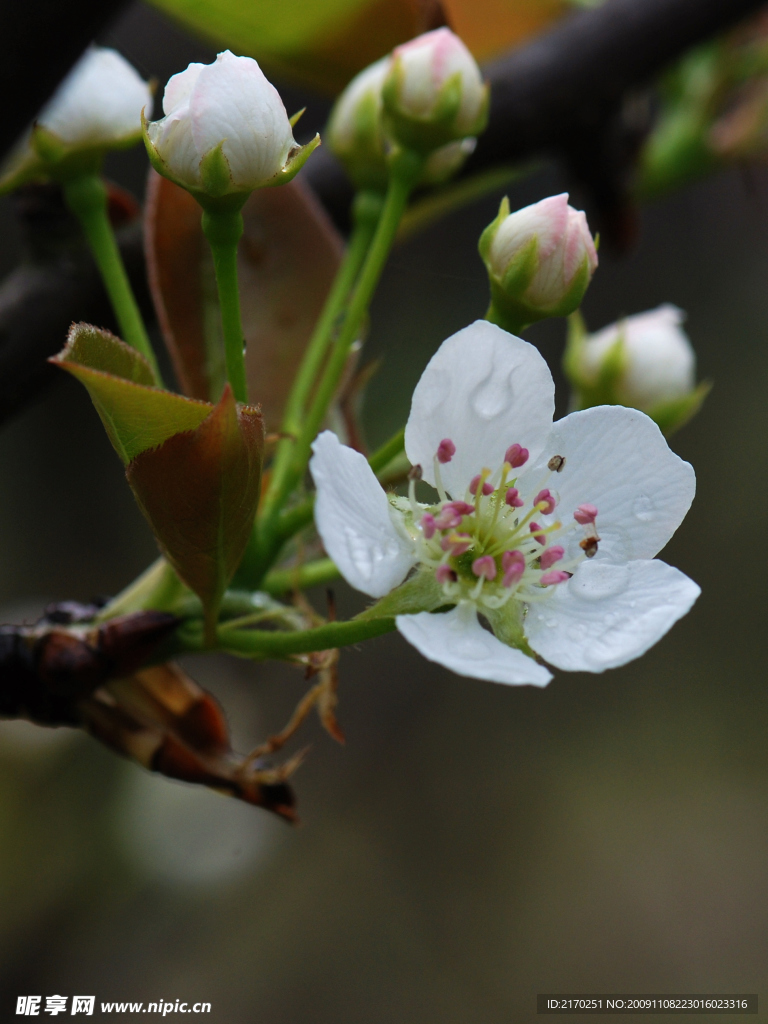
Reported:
(225, 130)
(97, 107)
(540, 260)
(355, 132)
(434, 92)
(658, 363)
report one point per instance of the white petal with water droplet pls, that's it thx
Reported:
(355, 520)
(608, 615)
(485, 390)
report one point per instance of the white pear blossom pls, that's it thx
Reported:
(546, 530)
(540, 259)
(227, 108)
(97, 107)
(658, 361)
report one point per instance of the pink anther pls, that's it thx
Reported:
(551, 555)
(513, 566)
(538, 534)
(585, 514)
(474, 483)
(428, 525)
(446, 450)
(457, 543)
(447, 519)
(546, 499)
(462, 508)
(516, 456)
(552, 578)
(513, 499)
(484, 566)
(445, 574)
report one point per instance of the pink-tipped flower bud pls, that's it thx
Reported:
(445, 450)
(546, 501)
(552, 578)
(551, 555)
(585, 514)
(513, 499)
(484, 566)
(513, 567)
(433, 93)
(540, 261)
(474, 483)
(516, 456)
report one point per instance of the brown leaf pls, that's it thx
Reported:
(165, 721)
(199, 490)
(287, 261)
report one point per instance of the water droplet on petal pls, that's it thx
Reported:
(643, 508)
(596, 581)
(492, 395)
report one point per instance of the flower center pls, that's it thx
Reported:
(490, 546)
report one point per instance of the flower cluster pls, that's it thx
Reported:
(428, 94)
(546, 530)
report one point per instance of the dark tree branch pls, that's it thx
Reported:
(41, 41)
(566, 84)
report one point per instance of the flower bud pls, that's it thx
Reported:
(645, 361)
(97, 107)
(356, 135)
(433, 93)
(225, 131)
(540, 261)
(355, 131)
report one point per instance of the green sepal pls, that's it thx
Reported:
(294, 120)
(136, 415)
(420, 593)
(488, 235)
(296, 160)
(671, 415)
(364, 154)
(215, 173)
(507, 625)
(46, 156)
(423, 134)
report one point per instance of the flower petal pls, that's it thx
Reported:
(485, 390)
(618, 460)
(608, 614)
(232, 101)
(355, 520)
(457, 640)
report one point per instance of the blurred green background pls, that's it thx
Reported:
(473, 844)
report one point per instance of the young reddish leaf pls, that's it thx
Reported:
(199, 490)
(136, 414)
(287, 261)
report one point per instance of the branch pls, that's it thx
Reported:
(561, 88)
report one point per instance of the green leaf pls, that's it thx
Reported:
(136, 414)
(671, 415)
(199, 490)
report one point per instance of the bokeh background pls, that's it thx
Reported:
(472, 844)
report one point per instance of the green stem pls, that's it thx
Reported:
(312, 574)
(366, 211)
(405, 170)
(274, 644)
(86, 196)
(223, 229)
(382, 457)
(158, 588)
